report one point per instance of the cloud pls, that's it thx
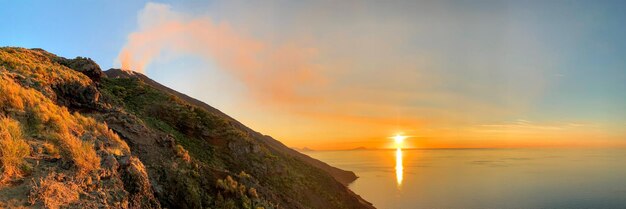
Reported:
(272, 72)
(358, 72)
(544, 133)
(319, 73)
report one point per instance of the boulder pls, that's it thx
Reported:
(83, 65)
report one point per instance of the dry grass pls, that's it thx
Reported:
(52, 193)
(13, 148)
(80, 152)
(54, 122)
(115, 144)
(10, 97)
(31, 104)
(51, 150)
(38, 67)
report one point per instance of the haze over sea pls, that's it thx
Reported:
(486, 178)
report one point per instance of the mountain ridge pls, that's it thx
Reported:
(345, 177)
(87, 138)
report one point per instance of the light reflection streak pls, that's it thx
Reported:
(399, 167)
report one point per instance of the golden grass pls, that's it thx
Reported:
(54, 194)
(80, 152)
(38, 66)
(31, 112)
(117, 145)
(51, 150)
(13, 148)
(56, 124)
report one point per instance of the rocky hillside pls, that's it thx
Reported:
(72, 136)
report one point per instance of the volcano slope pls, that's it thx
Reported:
(72, 136)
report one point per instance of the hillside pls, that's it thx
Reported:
(73, 136)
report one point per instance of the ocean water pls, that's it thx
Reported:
(486, 178)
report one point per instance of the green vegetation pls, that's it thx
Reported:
(170, 115)
(215, 144)
(199, 135)
(64, 133)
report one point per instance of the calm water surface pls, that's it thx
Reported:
(486, 178)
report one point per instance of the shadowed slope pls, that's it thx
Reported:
(223, 143)
(345, 177)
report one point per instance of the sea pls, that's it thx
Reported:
(486, 178)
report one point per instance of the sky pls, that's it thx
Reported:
(345, 74)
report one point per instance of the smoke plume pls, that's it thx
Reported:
(272, 72)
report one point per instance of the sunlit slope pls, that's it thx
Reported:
(53, 156)
(185, 155)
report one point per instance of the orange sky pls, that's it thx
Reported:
(353, 82)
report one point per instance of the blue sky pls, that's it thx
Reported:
(95, 29)
(445, 68)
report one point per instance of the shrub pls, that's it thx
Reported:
(244, 175)
(13, 149)
(229, 184)
(182, 153)
(252, 193)
(242, 189)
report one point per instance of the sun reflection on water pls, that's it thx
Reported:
(399, 141)
(399, 167)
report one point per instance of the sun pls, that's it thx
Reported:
(399, 139)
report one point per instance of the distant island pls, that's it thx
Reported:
(304, 149)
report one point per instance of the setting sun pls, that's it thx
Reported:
(399, 140)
